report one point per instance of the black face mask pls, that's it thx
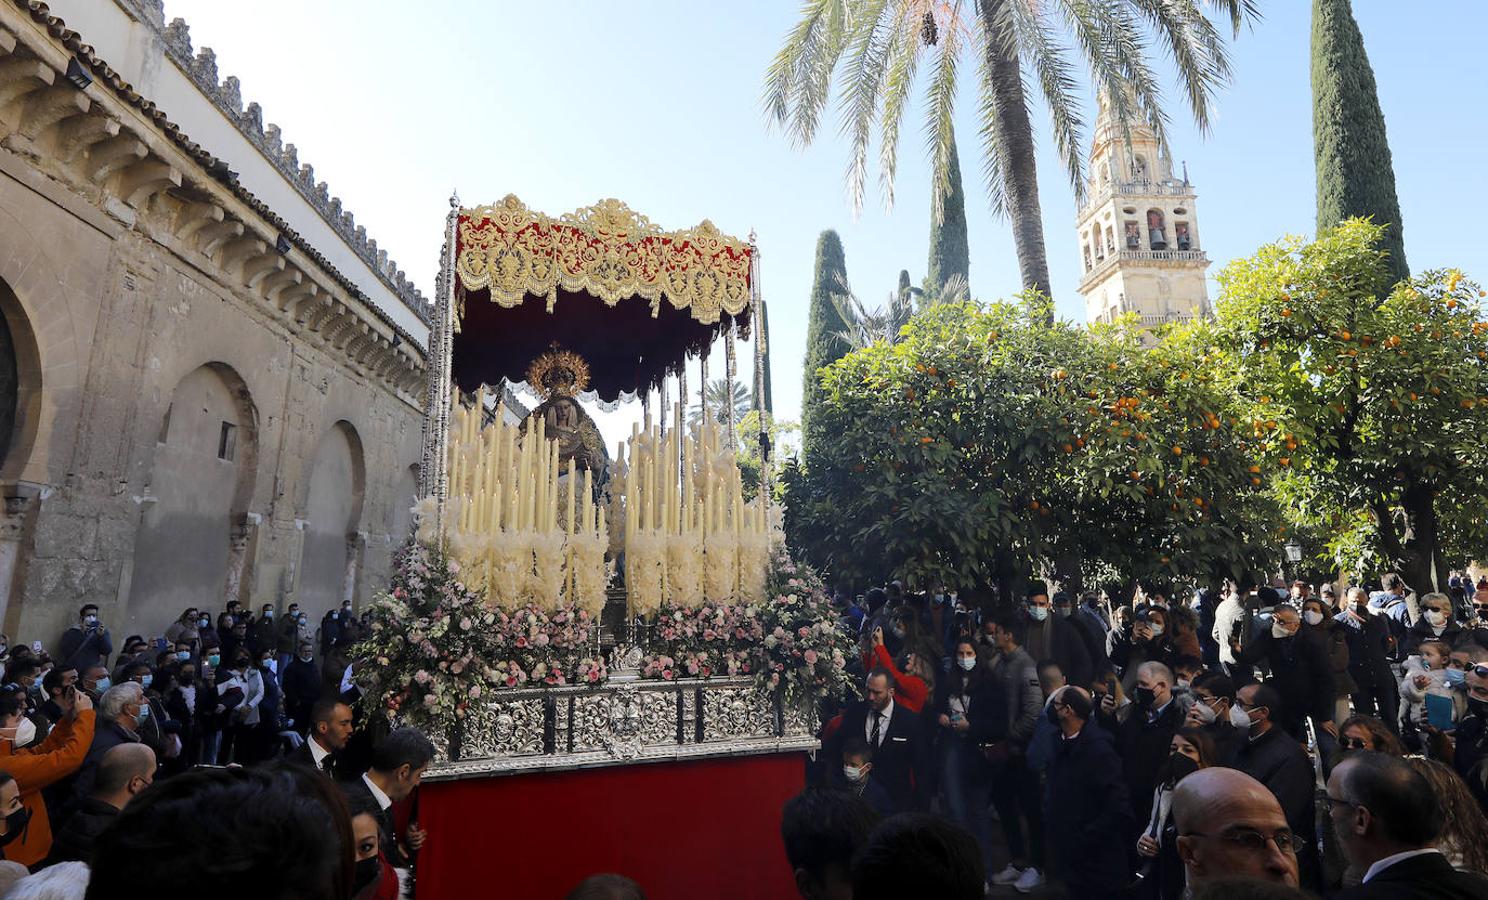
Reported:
(1145, 697)
(1477, 707)
(367, 872)
(1176, 767)
(15, 825)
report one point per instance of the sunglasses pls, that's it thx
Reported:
(1353, 743)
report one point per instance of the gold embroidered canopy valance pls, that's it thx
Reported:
(633, 300)
(607, 251)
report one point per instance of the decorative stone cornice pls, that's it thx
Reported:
(227, 96)
(117, 149)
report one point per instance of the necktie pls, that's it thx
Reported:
(877, 723)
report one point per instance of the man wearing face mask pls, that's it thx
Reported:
(1300, 671)
(287, 639)
(1376, 691)
(38, 766)
(301, 685)
(1277, 760)
(122, 710)
(87, 643)
(1145, 737)
(124, 771)
(1053, 637)
(1215, 712)
(1471, 739)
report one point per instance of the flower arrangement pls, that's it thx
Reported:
(790, 642)
(435, 646)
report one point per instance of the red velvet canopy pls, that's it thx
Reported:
(634, 301)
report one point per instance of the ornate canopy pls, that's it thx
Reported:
(604, 282)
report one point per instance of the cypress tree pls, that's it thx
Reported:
(1355, 176)
(949, 253)
(824, 323)
(767, 402)
(905, 286)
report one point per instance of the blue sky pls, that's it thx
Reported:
(657, 103)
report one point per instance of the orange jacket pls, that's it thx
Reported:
(36, 767)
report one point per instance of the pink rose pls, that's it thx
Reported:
(810, 657)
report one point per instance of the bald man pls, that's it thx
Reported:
(1230, 825)
(123, 772)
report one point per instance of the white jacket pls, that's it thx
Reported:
(1414, 707)
(1225, 616)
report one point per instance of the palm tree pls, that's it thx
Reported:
(716, 399)
(879, 44)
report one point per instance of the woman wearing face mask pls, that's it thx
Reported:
(1161, 876)
(374, 878)
(1437, 620)
(208, 638)
(41, 765)
(1316, 618)
(966, 716)
(1148, 641)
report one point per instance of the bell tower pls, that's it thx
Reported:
(1139, 231)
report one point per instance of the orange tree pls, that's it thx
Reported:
(986, 444)
(1367, 400)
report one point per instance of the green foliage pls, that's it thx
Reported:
(1369, 410)
(950, 254)
(985, 443)
(1355, 177)
(824, 325)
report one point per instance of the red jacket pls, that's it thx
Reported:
(910, 691)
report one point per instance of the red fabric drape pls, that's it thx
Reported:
(683, 830)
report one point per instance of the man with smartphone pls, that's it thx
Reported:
(86, 644)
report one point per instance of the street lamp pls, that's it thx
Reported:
(1293, 551)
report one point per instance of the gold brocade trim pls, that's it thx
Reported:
(607, 250)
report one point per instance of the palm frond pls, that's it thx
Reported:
(1057, 83)
(864, 72)
(1198, 51)
(904, 58)
(939, 126)
(798, 81)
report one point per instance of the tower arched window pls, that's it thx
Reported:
(1157, 233)
(1139, 168)
(1182, 236)
(1087, 257)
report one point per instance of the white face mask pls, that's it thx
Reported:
(853, 774)
(1206, 713)
(25, 732)
(1279, 631)
(1155, 628)
(1434, 618)
(1313, 617)
(967, 663)
(1239, 717)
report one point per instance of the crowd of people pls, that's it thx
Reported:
(1255, 741)
(221, 756)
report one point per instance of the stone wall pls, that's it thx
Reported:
(145, 311)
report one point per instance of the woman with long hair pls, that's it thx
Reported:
(1464, 837)
(1161, 876)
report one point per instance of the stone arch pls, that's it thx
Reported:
(1157, 232)
(197, 489)
(35, 300)
(335, 492)
(21, 385)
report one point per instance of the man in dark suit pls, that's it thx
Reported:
(1275, 759)
(330, 726)
(398, 763)
(1085, 803)
(1145, 737)
(1388, 818)
(896, 736)
(1300, 671)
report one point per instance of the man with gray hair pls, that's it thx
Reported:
(1146, 735)
(125, 771)
(120, 712)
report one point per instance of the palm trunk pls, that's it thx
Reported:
(1015, 143)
